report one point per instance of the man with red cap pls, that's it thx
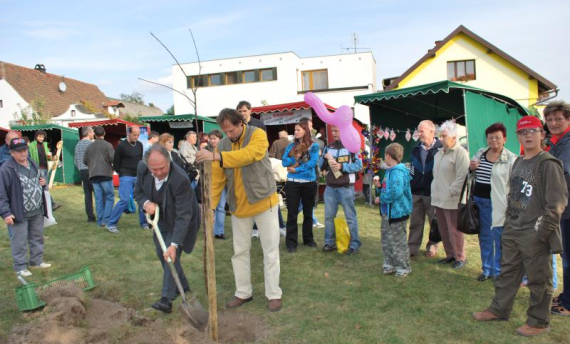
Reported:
(536, 201)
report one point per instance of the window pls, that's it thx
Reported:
(72, 113)
(1, 104)
(249, 76)
(315, 80)
(461, 70)
(231, 78)
(268, 74)
(199, 80)
(215, 79)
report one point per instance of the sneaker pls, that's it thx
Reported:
(388, 271)
(146, 227)
(112, 229)
(560, 310)
(319, 225)
(482, 278)
(24, 273)
(43, 265)
(329, 248)
(255, 233)
(401, 274)
(283, 231)
(220, 236)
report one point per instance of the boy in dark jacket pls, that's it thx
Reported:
(532, 233)
(396, 206)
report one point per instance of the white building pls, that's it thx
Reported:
(275, 79)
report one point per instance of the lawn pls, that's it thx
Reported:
(327, 297)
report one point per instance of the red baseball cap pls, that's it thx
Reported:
(528, 122)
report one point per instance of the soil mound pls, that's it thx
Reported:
(72, 318)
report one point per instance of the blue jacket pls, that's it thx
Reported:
(11, 193)
(561, 151)
(4, 154)
(396, 195)
(422, 176)
(306, 168)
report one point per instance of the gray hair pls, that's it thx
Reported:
(555, 106)
(86, 131)
(159, 149)
(451, 127)
(188, 134)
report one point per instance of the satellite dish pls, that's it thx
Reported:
(62, 86)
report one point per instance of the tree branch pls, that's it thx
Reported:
(170, 88)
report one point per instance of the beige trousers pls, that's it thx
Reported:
(268, 226)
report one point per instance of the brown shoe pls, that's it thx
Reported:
(531, 331)
(486, 315)
(274, 305)
(236, 302)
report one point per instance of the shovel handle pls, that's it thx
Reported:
(154, 224)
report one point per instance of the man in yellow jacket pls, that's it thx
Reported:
(241, 163)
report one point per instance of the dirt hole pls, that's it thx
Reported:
(71, 317)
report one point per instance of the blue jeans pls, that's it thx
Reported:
(565, 295)
(333, 198)
(220, 216)
(126, 186)
(104, 199)
(315, 220)
(487, 242)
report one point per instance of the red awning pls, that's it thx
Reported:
(103, 123)
(5, 130)
(285, 107)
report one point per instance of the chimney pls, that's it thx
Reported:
(437, 42)
(41, 68)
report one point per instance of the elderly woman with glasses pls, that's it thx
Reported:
(491, 167)
(451, 165)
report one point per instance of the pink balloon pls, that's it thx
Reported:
(341, 118)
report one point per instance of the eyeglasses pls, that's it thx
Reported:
(524, 132)
(494, 138)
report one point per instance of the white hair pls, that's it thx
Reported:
(428, 124)
(450, 127)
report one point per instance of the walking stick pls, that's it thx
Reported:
(209, 261)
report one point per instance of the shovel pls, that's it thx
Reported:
(192, 309)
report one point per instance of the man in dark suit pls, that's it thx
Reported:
(162, 184)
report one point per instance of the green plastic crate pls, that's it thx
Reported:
(27, 295)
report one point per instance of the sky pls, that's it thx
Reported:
(108, 43)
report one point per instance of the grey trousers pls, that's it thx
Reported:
(27, 233)
(394, 247)
(169, 287)
(421, 208)
(523, 251)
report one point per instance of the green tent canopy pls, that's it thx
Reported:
(475, 108)
(68, 174)
(179, 125)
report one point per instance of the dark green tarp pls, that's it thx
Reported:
(404, 108)
(161, 124)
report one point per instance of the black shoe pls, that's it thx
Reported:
(220, 236)
(291, 249)
(351, 252)
(163, 305)
(482, 278)
(459, 264)
(446, 260)
(55, 206)
(312, 244)
(91, 220)
(329, 248)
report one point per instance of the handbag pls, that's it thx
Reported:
(434, 235)
(468, 214)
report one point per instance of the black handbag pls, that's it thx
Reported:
(434, 235)
(468, 214)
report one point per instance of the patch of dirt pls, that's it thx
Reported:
(70, 317)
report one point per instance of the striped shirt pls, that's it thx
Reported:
(483, 177)
(80, 153)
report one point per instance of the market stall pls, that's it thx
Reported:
(396, 114)
(68, 173)
(115, 129)
(179, 125)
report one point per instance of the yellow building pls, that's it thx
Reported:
(465, 57)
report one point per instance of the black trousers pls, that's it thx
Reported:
(169, 287)
(88, 190)
(296, 192)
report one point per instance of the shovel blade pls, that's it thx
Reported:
(195, 313)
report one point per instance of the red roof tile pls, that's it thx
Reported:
(31, 83)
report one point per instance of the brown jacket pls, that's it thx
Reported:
(278, 148)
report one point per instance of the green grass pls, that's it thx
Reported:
(354, 304)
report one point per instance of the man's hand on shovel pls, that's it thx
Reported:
(170, 252)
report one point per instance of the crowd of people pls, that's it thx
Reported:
(524, 216)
